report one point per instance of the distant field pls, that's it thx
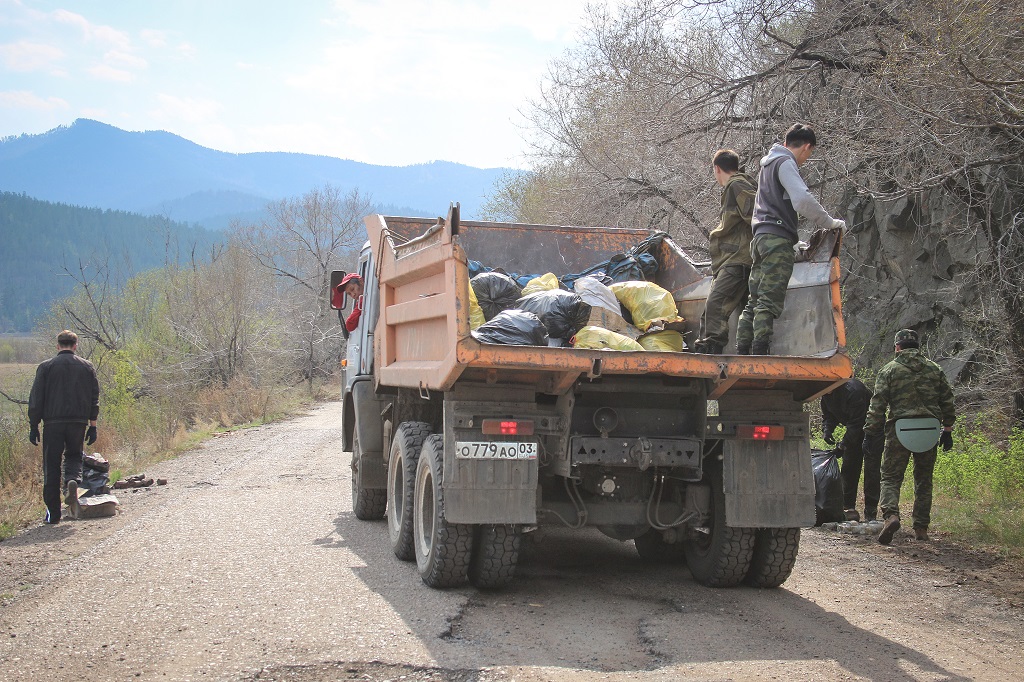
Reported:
(15, 381)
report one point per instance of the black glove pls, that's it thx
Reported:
(873, 444)
(33, 434)
(827, 435)
(946, 440)
(90, 435)
(837, 453)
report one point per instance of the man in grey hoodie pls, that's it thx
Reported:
(781, 195)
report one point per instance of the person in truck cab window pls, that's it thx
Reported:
(352, 286)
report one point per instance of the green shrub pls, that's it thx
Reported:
(979, 487)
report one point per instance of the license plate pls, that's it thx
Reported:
(492, 450)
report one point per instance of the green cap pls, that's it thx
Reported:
(905, 335)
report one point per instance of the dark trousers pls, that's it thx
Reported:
(853, 460)
(729, 290)
(61, 441)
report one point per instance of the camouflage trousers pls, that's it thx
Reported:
(894, 467)
(729, 288)
(769, 278)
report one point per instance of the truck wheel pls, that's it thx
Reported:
(367, 503)
(442, 549)
(405, 452)
(722, 557)
(774, 556)
(495, 555)
(651, 547)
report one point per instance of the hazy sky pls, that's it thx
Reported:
(391, 82)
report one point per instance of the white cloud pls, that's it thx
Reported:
(106, 35)
(153, 37)
(28, 56)
(189, 109)
(25, 100)
(106, 72)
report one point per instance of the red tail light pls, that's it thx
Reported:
(760, 432)
(507, 427)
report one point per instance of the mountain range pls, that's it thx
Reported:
(92, 164)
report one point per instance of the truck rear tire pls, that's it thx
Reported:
(443, 549)
(651, 547)
(495, 556)
(722, 557)
(368, 503)
(405, 452)
(774, 556)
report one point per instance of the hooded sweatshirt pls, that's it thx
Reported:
(782, 194)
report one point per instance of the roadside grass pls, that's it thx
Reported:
(978, 493)
(138, 435)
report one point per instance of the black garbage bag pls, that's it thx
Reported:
(563, 313)
(495, 292)
(828, 487)
(95, 482)
(513, 328)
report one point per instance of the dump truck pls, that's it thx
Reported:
(466, 446)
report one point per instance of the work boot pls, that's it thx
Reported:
(921, 534)
(870, 515)
(761, 348)
(852, 515)
(743, 349)
(892, 524)
(713, 348)
(71, 498)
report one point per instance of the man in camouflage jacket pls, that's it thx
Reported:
(910, 385)
(730, 252)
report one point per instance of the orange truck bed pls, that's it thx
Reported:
(423, 340)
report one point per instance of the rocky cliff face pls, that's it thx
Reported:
(907, 266)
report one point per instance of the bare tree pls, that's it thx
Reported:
(301, 242)
(919, 106)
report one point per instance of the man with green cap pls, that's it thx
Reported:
(915, 392)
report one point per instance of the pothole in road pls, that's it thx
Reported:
(373, 671)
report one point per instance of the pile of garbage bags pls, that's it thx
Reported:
(610, 306)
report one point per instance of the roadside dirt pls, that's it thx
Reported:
(249, 565)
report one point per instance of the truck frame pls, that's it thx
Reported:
(464, 446)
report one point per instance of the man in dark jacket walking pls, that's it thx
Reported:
(66, 398)
(729, 248)
(848, 405)
(909, 387)
(781, 195)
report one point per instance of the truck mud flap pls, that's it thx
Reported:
(488, 491)
(768, 484)
(373, 467)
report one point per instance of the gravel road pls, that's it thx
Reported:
(249, 565)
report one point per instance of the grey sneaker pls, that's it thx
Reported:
(892, 524)
(71, 499)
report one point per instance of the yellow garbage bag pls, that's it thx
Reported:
(666, 340)
(603, 339)
(646, 302)
(476, 313)
(543, 283)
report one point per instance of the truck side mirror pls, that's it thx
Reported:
(338, 298)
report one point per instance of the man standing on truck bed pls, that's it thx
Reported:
(66, 398)
(848, 405)
(730, 252)
(781, 195)
(910, 386)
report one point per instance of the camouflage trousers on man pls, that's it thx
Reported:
(894, 467)
(769, 278)
(729, 289)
